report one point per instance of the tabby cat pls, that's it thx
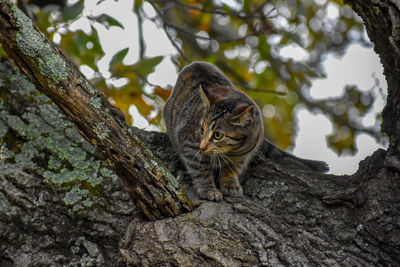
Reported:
(214, 127)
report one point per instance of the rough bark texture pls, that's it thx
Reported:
(59, 202)
(382, 21)
(289, 217)
(296, 218)
(150, 185)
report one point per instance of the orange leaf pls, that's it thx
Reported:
(163, 93)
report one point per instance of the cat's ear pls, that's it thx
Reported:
(207, 100)
(243, 115)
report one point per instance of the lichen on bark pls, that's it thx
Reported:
(289, 216)
(33, 44)
(58, 198)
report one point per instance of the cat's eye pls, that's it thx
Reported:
(202, 130)
(218, 135)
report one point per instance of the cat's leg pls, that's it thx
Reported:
(202, 176)
(205, 187)
(229, 181)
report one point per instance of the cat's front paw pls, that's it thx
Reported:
(210, 194)
(233, 190)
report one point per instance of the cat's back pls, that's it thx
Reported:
(189, 80)
(184, 107)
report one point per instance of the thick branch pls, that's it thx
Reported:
(381, 20)
(149, 183)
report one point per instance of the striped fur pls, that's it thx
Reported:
(214, 127)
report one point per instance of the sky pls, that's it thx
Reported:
(359, 65)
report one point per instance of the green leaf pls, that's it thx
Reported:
(263, 46)
(108, 21)
(94, 38)
(43, 22)
(146, 66)
(342, 140)
(138, 4)
(117, 58)
(71, 12)
(85, 49)
(246, 6)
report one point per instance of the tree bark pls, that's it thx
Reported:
(290, 216)
(150, 185)
(381, 20)
(60, 205)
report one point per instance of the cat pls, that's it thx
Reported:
(215, 128)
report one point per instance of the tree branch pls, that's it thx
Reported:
(382, 24)
(148, 182)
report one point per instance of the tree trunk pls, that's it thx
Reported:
(290, 216)
(150, 185)
(381, 19)
(59, 202)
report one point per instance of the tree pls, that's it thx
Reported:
(291, 216)
(127, 156)
(247, 40)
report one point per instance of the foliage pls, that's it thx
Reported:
(246, 39)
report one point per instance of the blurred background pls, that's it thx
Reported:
(308, 64)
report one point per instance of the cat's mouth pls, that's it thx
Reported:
(212, 152)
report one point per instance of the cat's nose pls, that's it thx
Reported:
(203, 146)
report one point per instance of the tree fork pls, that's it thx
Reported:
(149, 183)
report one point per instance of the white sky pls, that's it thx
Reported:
(357, 66)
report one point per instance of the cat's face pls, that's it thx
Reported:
(224, 132)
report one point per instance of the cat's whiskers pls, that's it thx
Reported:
(233, 164)
(219, 162)
(201, 157)
(215, 162)
(227, 164)
(212, 162)
(219, 155)
(195, 155)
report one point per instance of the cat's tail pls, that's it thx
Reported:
(315, 165)
(274, 153)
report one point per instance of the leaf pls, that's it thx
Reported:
(138, 4)
(95, 40)
(147, 66)
(133, 91)
(342, 140)
(108, 21)
(117, 59)
(263, 46)
(129, 95)
(163, 93)
(205, 22)
(278, 134)
(43, 22)
(247, 6)
(84, 48)
(71, 12)
(362, 101)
